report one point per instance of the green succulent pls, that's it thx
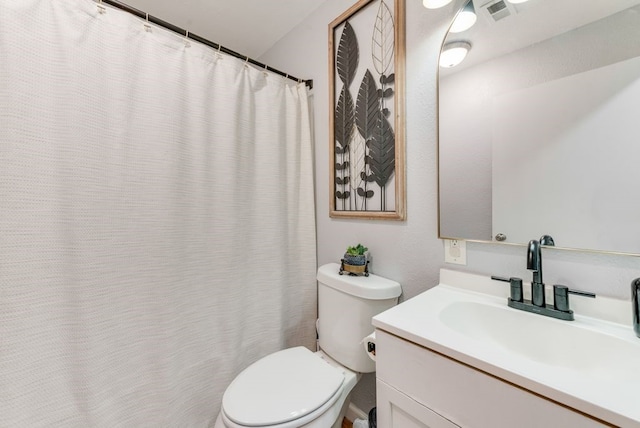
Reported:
(358, 250)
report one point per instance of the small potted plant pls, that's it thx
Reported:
(355, 260)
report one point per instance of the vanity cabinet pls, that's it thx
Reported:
(418, 388)
(396, 409)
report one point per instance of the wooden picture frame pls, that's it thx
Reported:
(366, 117)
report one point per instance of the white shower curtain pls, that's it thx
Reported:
(157, 229)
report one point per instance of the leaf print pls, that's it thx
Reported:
(381, 158)
(344, 118)
(341, 150)
(364, 176)
(341, 166)
(342, 181)
(348, 55)
(357, 157)
(365, 194)
(367, 106)
(383, 39)
(387, 79)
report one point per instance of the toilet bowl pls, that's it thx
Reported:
(296, 387)
(288, 389)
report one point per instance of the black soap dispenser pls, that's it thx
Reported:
(635, 301)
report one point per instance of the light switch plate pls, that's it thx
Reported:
(455, 251)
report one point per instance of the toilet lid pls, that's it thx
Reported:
(281, 387)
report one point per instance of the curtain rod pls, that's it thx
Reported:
(122, 6)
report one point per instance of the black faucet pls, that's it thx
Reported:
(534, 263)
(560, 308)
(635, 302)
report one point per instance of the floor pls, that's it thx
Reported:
(346, 423)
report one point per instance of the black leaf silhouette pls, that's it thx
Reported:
(382, 151)
(340, 195)
(386, 112)
(365, 194)
(388, 93)
(344, 180)
(387, 79)
(367, 106)
(347, 57)
(341, 150)
(367, 178)
(344, 118)
(341, 166)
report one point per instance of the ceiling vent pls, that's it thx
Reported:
(495, 10)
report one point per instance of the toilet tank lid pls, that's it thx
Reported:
(367, 287)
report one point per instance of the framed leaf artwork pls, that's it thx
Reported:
(367, 121)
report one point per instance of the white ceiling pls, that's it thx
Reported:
(249, 27)
(533, 22)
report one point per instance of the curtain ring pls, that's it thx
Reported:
(187, 44)
(147, 26)
(246, 62)
(101, 9)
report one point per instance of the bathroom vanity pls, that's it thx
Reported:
(457, 355)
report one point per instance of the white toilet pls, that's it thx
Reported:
(298, 388)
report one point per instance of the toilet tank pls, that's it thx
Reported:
(346, 305)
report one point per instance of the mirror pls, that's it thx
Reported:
(539, 126)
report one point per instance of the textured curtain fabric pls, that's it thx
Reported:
(157, 229)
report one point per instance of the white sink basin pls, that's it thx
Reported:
(544, 340)
(591, 364)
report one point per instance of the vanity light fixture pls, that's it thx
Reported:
(453, 53)
(435, 4)
(465, 19)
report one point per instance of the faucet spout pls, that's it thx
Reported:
(534, 260)
(534, 263)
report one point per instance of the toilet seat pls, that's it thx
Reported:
(284, 389)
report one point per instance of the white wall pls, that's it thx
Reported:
(410, 251)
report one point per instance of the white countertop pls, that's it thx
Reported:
(606, 387)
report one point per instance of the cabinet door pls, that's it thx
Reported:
(397, 410)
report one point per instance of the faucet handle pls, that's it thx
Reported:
(515, 287)
(582, 293)
(561, 297)
(547, 240)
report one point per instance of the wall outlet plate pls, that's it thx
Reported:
(455, 251)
